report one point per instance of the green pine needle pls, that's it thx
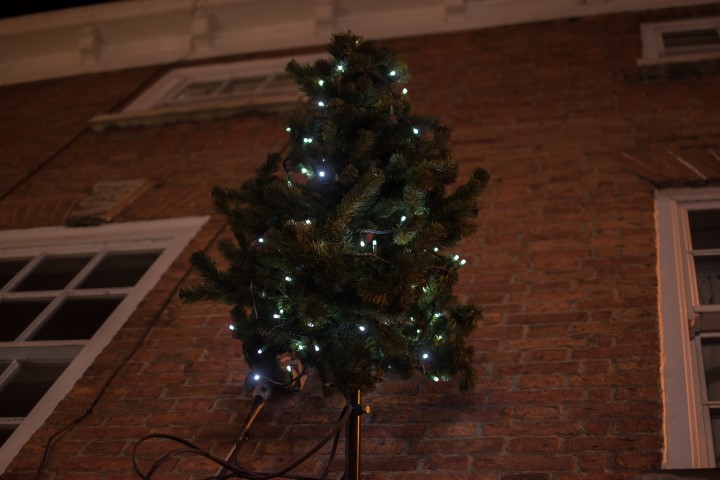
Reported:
(341, 253)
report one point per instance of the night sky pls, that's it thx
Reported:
(14, 8)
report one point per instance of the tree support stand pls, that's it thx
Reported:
(352, 441)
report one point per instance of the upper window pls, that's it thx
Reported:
(681, 41)
(64, 293)
(237, 83)
(689, 266)
(211, 91)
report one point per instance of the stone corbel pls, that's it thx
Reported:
(455, 10)
(89, 45)
(202, 32)
(106, 201)
(325, 11)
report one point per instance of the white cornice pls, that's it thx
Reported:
(136, 33)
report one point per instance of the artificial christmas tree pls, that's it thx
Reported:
(342, 256)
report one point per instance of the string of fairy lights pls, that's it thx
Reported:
(367, 244)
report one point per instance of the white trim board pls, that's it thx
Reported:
(688, 443)
(120, 35)
(169, 237)
(655, 51)
(175, 78)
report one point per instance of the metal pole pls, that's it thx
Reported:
(352, 442)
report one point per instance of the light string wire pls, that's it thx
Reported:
(232, 470)
(103, 389)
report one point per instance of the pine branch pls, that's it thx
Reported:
(352, 235)
(215, 286)
(356, 201)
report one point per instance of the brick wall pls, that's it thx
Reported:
(564, 264)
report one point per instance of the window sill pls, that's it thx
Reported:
(200, 112)
(681, 67)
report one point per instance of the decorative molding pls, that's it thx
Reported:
(202, 29)
(106, 201)
(455, 10)
(89, 45)
(655, 50)
(325, 11)
(119, 35)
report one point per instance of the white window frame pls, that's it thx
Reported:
(169, 237)
(654, 50)
(688, 435)
(157, 96)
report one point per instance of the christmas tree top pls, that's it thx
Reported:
(343, 256)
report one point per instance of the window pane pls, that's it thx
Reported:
(197, 90)
(9, 268)
(16, 315)
(53, 273)
(5, 432)
(77, 318)
(691, 38)
(704, 228)
(119, 270)
(715, 426)
(282, 82)
(711, 362)
(240, 86)
(27, 387)
(707, 270)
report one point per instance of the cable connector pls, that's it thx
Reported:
(257, 385)
(295, 372)
(289, 377)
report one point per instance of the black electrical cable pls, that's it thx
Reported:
(114, 374)
(233, 470)
(333, 451)
(136, 348)
(258, 402)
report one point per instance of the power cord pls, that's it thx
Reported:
(232, 470)
(131, 354)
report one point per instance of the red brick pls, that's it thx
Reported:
(626, 443)
(546, 318)
(452, 430)
(542, 397)
(525, 476)
(534, 444)
(546, 355)
(640, 461)
(526, 463)
(482, 446)
(446, 462)
(564, 263)
(588, 462)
